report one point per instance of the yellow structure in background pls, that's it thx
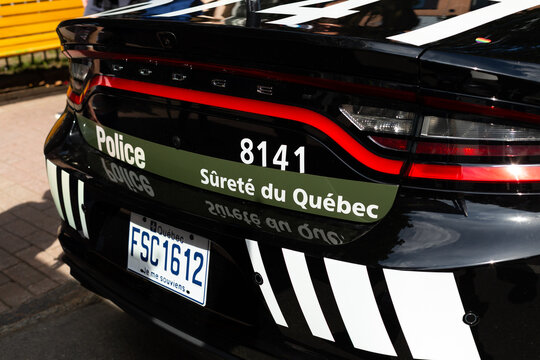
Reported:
(27, 27)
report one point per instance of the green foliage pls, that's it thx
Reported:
(43, 60)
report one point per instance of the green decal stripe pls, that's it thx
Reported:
(338, 198)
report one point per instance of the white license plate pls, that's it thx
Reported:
(170, 257)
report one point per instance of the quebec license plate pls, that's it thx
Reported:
(170, 257)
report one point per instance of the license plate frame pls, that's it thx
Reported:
(172, 258)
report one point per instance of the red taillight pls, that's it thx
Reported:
(391, 143)
(504, 150)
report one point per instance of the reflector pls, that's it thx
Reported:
(504, 173)
(477, 149)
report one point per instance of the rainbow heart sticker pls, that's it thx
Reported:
(481, 40)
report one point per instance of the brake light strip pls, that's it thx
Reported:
(288, 112)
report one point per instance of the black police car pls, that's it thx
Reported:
(312, 179)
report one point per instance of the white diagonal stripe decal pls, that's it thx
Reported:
(358, 308)
(53, 184)
(266, 288)
(304, 11)
(67, 199)
(132, 8)
(461, 23)
(82, 214)
(305, 293)
(203, 7)
(430, 313)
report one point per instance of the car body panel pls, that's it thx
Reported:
(449, 269)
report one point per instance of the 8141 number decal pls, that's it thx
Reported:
(261, 155)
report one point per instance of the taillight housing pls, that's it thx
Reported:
(79, 70)
(455, 150)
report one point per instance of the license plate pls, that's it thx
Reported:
(170, 257)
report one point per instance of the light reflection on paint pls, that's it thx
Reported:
(516, 171)
(519, 219)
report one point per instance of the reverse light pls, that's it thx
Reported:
(379, 120)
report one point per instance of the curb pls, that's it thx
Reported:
(30, 93)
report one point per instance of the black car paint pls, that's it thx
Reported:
(501, 293)
(487, 238)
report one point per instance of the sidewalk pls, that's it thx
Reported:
(30, 265)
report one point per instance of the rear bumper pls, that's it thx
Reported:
(409, 280)
(102, 287)
(503, 297)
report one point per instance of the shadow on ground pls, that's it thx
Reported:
(29, 243)
(34, 282)
(49, 315)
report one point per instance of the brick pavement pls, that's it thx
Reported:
(29, 250)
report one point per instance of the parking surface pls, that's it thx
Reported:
(97, 331)
(30, 263)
